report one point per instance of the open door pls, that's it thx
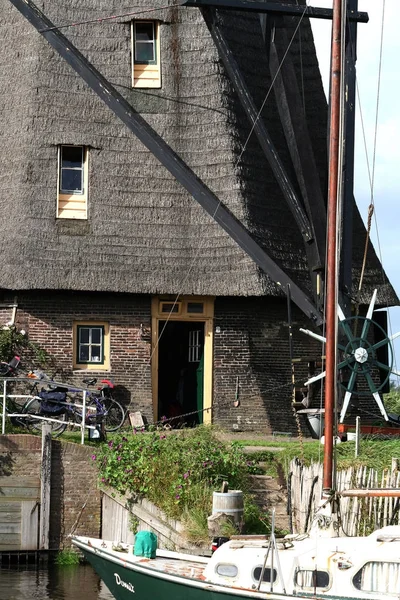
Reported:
(180, 372)
(182, 335)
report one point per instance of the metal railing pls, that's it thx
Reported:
(5, 413)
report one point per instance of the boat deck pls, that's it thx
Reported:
(171, 563)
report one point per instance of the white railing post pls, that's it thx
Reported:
(358, 430)
(83, 417)
(3, 424)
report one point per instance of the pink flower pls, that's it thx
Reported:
(93, 457)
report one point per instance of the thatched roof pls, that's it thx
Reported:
(144, 233)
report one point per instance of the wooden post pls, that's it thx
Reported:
(3, 424)
(45, 477)
(357, 450)
(83, 418)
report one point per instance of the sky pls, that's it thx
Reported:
(385, 231)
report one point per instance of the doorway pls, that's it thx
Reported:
(182, 359)
(181, 372)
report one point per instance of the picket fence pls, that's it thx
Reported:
(358, 516)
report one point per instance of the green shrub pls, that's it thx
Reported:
(178, 471)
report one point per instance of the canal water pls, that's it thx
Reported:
(52, 583)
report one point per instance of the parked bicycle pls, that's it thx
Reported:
(101, 407)
(17, 403)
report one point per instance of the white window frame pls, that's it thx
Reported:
(73, 204)
(146, 74)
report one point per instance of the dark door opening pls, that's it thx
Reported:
(180, 372)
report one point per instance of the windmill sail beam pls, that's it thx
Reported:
(164, 153)
(282, 8)
(249, 107)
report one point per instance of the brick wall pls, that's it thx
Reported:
(48, 319)
(251, 350)
(75, 500)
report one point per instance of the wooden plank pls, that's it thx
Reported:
(19, 493)
(29, 526)
(14, 528)
(19, 482)
(10, 517)
(9, 507)
(9, 539)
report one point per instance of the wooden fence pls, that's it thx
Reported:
(357, 516)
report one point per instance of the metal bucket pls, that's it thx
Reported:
(229, 503)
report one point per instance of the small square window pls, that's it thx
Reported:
(91, 346)
(170, 307)
(72, 182)
(146, 70)
(195, 307)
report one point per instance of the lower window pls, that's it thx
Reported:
(91, 345)
(311, 579)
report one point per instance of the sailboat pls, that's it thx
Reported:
(318, 564)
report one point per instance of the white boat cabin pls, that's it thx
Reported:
(365, 567)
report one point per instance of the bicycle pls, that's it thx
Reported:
(13, 407)
(53, 403)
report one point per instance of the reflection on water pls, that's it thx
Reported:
(53, 583)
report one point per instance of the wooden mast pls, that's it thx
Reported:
(331, 271)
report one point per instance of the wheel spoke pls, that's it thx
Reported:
(346, 401)
(348, 394)
(316, 378)
(383, 366)
(345, 325)
(347, 362)
(321, 338)
(376, 396)
(386, 341)
(371, 306)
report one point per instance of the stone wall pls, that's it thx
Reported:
(75, 500)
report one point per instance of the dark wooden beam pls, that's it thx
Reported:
(164, 153)
(294, 124)
(346, 261)
(260, 130)
(282, 8)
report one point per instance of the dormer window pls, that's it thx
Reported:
(72, 182)
(146, 54)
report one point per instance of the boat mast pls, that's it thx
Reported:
(332, 245)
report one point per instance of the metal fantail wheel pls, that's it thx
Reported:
(359, 368)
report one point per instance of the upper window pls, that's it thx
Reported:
(72, 182)
(91, 346)
(146, 71)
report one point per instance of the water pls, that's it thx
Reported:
(52, 583)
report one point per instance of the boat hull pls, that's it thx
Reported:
(138, 583)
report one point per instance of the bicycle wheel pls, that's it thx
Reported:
(114, 414)
(32, 407)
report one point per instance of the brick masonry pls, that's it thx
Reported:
(251, 351)
(75, 500)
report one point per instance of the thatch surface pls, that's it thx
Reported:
(144, 233)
